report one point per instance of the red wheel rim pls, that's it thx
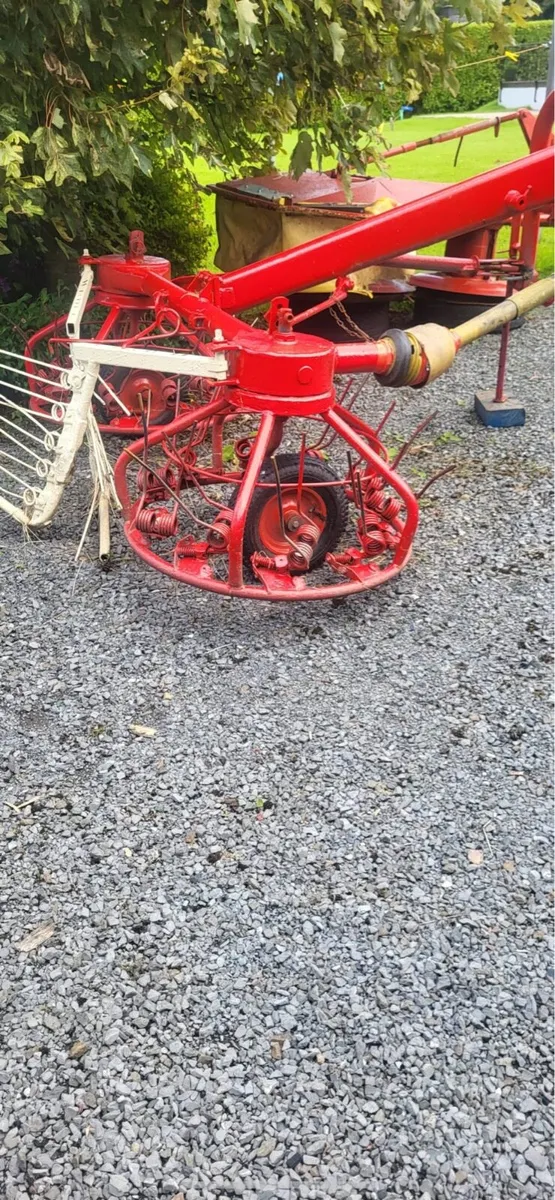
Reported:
(146, 386)
(312, 509)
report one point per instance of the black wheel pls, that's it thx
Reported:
(325, 507)
(442, 308)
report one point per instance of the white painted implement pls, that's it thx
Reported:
(37, 454)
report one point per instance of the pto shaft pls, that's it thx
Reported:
(517, 305)
(415, 357)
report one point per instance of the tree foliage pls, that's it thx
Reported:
(97, 89)
(482, 70)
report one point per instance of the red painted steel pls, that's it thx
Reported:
(461, 131)
(195, 568)
(188, 503)
(274, 370)
(456, 265)
(476, 203)
(277, 374)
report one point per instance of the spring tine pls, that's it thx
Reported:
(18, 441)
(328, 439)
(27, 374)
(346, 390)
(180, 503)
(29, 465)
(386, 416)
(10, 474)
(361, 501)
(353, 479)
(32, 437)
(29, 417)
(355, 396)
(434, 478)
(301, 472)
(114, 396)
(40, 362)
(279, 497)
(144, 423)
(352, 473)
(407, 445)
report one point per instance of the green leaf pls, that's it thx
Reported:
(228, 453)
(213, 11)
(302, 154)
(338, 36)
(247, 18)
(141, 159)
(64, 166)
(61, 229)
(173, 44)
(57, 119)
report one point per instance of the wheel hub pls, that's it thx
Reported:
(303, 524)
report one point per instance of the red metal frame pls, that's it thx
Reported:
(495, 197)
(280, 373)
(481, 279)
(525, 118)
(517, 193)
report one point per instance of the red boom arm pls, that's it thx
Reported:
(476, 203)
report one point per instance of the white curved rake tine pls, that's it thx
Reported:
(42, 473)
(39, 378)
(82, 379)
(31, 436)
(19, 408)
(38, 505)
(22, 446)
(37, 362)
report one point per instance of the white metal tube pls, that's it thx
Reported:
(169, 362)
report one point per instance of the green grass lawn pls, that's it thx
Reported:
(480, 152)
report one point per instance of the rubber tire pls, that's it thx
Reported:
(315, 471)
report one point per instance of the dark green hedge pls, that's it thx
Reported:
(480, 85)
(163, 205)
(531, 67)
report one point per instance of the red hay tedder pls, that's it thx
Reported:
(253, 476)
(259, 216)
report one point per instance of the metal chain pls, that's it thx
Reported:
(348, 325)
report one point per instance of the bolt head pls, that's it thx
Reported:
(304, 374)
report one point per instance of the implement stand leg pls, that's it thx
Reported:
(492, 407)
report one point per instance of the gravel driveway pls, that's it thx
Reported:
(300, 936)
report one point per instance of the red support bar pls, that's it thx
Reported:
(476, 203)
(259, 452)
(374, 357)
(450, 135)
(435, 262)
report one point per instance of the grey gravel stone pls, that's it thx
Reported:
(536, 1158)
(118, 1185)
(268, 929)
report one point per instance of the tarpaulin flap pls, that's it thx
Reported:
(247, 233)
